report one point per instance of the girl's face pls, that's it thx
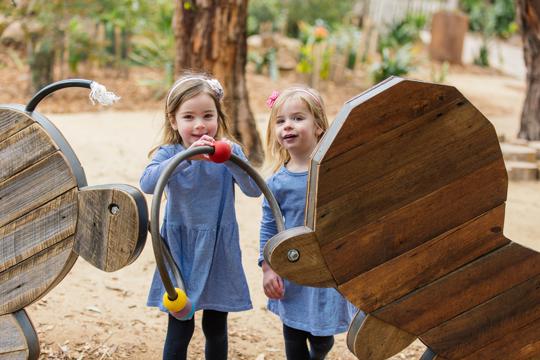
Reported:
(196, 117)
(295, 128)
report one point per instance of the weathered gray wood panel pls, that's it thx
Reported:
(108, 227)
(18, 338)
(12, 121)
(29, 280)
(23, 149)
(34, 187)
(37, 230)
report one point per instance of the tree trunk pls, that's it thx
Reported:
(210, 35)
(41, 62)
(529, 18)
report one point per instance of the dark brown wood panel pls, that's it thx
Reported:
(463, 289)
(383, 112)
(414, 180)
(34, 187)
(426, 263)
(38, 230)
(12, 121)
(413, 224)
(369, 338)
(23, 149)
(521, 344)
(310, 269)
(29, 280)
(491, 320)
(411, 142)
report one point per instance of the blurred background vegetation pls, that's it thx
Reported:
(320, 40)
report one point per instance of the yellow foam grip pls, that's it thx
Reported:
(175, 305)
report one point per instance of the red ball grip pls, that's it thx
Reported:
(222, 152)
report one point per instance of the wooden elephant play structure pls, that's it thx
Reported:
(404, 217)
(49, 216)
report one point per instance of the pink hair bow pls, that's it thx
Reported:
(272, 98)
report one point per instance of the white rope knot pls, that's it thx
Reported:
(99, 93)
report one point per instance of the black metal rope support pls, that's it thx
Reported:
(161, 252)
(49, 89)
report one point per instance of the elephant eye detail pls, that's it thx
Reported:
(114, 209)
(293, 255)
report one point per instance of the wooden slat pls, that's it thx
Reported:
(431, 169)
(383, 112)
(38, 230)
(27, 281)
(370, 338)
(413, 224)
(310, 269)
(18, 338)
(106, 239)
(18, 355)
(124, 231)
(12, 337)
(12, 121)
(34, 187)
(386, 154)
(491, 320)
(23, 149)
(521, 344)
(463, 289)
(426, 263)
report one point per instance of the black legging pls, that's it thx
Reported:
(296, 344)
(179, 333)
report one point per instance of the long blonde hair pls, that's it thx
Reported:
(276, 155)
(186, 87)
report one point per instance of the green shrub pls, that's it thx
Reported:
(290, 13)
(402, 32)
(263, 11)
(495, 16)
(393, 63)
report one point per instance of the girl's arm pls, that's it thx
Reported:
(268, 228)
(161, 159)
(246, 183)
(272, 282)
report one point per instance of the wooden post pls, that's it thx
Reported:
(448, 29)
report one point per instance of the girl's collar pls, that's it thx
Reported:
(293, 173)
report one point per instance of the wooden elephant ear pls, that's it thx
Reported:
(18, 338)
(112, 225)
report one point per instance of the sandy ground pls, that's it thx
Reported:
(97, 315)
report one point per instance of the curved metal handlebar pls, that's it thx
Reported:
(160, 250)
(41, 94)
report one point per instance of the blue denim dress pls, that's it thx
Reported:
(200, 228)
(319, 311)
